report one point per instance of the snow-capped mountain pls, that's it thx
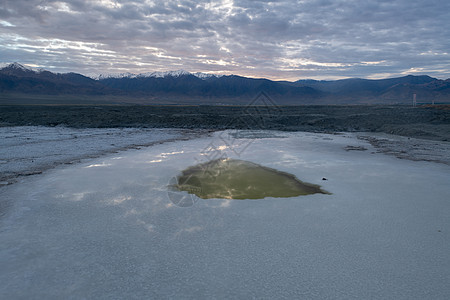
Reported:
(17, 66)
(176, 73)
(111, 75)
(197, 87)
(101, 76)
(205, 75)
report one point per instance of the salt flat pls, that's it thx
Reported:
(107, 229)
(28, 150)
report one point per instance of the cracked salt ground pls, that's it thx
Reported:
(107, 229)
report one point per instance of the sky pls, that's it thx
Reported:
(279, 40)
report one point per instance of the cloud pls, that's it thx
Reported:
(279, 40)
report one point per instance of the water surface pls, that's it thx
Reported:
(239, 179)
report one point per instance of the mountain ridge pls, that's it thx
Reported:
(201, 88)
(176, 73)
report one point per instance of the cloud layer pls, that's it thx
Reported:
(278, 40)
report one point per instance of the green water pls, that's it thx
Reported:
(238, 179)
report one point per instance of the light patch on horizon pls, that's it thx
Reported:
(32, 66)
(413, 70)
(381, 75)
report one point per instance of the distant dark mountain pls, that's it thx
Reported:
(184, 87)
(354, 85)
(19, 79)
(233, 89)
(391, 90)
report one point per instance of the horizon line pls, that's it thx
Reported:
(35, 68)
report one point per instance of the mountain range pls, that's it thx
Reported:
(181, 87)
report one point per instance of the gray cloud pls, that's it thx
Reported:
(279, 40)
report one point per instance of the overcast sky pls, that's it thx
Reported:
(290, 40)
